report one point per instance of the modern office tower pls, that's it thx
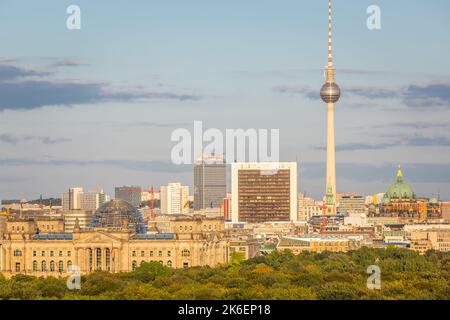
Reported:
(174, 199)
(71, 200)
(264, 191)
(89, 201)
(70, 218)
(131, 194)
(77, 199)
(352, 204)
(330, 94)
(210, 182)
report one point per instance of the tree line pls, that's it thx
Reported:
(279, 275)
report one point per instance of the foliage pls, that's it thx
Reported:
(279, 275)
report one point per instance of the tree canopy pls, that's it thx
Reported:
(279, 275)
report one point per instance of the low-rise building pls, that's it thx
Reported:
(319, 243)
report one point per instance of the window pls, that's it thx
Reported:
(133, 265)
(185, 253)
(169, 264)
(35, 266)
(52, 266)
(60, 266)
(52, 253)
(108, 259)
(60, 254)
(151, 253)
(160, 253)
(43, 253)
(69, 253)
(69, 266)
(185, 264)
(133, 253)
(17, 266)
(99, 258)
(17, 253)
(90, 258)
(169, 253)
(142, 253)
(44, 266)
(34, 253)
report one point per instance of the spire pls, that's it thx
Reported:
(330, 36)
(329, 70)
(329, 195)
(399, 174)
(76, 228)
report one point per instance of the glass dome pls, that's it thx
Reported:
(118, 214)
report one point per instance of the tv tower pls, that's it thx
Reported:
(330, 94)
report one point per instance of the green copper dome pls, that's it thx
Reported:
(399, 189)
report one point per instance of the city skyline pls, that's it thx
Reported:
(149, 75)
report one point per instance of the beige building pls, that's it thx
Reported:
(433, 239)
(70, 217)
(190, 241)
(320, 243)
(308, 207)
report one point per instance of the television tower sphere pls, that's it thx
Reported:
(330, 92)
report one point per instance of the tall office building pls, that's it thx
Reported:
(210, 182)
(71, 200)
(330, 94)
(131, 194)
(174, 199)
(77, 199)
(264, 192)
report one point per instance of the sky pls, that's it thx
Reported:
(96, 107)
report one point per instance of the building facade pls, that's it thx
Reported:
(174, 199)
(131, 194)
(264, 192)
(210, 182)
(188, 241)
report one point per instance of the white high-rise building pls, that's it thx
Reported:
(76, 199)
(264, 192)
(71, 200)
(174, 198)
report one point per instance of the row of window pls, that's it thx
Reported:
(184, 253)
(43, 266)
(52, 253)
(169, 264)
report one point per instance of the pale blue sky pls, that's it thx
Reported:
(231, 64)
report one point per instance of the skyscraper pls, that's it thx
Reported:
(210, 182)
(264, 191)
(330, 94)
(174, 198)
(71, 200)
